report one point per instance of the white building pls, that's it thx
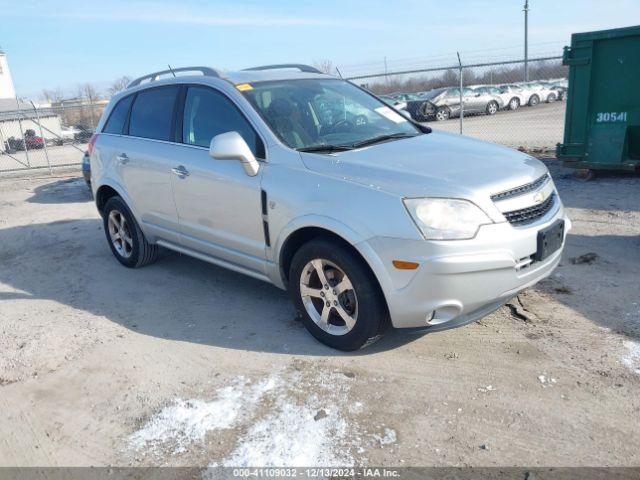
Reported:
(6, 82)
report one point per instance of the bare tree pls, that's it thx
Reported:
(119, 85)
(53, 96)
(325, 66)
(88, 91)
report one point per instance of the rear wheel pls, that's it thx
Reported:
(127, 242)
(534, 100)
(514, 103)
(442, 114)
(551, 98)
(492, 107)
(337, 297)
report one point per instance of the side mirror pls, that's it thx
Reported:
(231, 146)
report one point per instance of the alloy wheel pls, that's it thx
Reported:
(120, 234)
(328, 296)
(442, 115)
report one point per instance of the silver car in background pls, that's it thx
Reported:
(510, 97)
(310, 183)
(444, 103)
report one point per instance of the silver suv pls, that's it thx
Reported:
(315, 185)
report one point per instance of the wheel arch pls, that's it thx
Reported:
(108, 190)
(300, 236)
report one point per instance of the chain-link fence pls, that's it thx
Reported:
(491, 101)
(45, 137)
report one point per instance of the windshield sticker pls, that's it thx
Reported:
(391, 115)
(243, 87)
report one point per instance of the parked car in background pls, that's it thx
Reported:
(397, 104)
(528, 96)
(415, 104)
(557, 86)
(86, 169)
(545, 93)
(83, 135)
(31, 141)
(68, 134)
(367, 225)
(511, 98)
(444, 103)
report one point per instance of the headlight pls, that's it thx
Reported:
(446, 218)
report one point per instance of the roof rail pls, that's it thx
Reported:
(206, 71)
(299, 66)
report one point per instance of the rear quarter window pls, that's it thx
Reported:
(118, 116)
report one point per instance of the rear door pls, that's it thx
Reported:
(144, 157)
(219, 205)
(474, 101)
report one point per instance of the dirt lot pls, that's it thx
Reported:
(184, 363)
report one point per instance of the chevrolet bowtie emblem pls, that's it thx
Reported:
(538, 197)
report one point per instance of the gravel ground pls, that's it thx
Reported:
(184, 363)
(529, 128)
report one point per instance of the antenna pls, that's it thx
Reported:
(171, 70)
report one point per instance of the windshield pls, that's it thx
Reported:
(311, 113)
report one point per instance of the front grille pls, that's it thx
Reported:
(522, 189)
(530, 214)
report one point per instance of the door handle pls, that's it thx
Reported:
(122, 158)
(180, 171)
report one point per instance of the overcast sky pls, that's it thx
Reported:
(67, 42)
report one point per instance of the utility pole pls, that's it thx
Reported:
(386, 77)
(526, 40)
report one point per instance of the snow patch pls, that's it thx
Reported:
(388, 438)
(631, 357)
(291, 437)
(185, 422)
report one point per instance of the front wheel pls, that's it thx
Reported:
(492, 108)
(551, 98)
(514, 103)
(336, 296)
(534, 100)
(127, 242)
(442, 114)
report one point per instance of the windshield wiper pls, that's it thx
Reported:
(382, 138)
(325, 148)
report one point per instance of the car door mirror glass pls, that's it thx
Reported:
(231, 146)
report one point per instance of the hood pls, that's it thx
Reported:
(437, 164)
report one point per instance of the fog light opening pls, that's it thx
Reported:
(443, 315)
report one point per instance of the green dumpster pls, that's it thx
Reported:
(602, 122)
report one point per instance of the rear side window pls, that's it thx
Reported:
(152, 113)
(208, 113)
(118, 116)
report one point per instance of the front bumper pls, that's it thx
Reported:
(459, 281)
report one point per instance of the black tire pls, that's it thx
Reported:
(442, 114)
(514, 103)
(551, 98)
(142, 252)
(492, 107)
(372, 318)
(534, 100)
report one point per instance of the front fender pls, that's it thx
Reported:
(308, 221)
